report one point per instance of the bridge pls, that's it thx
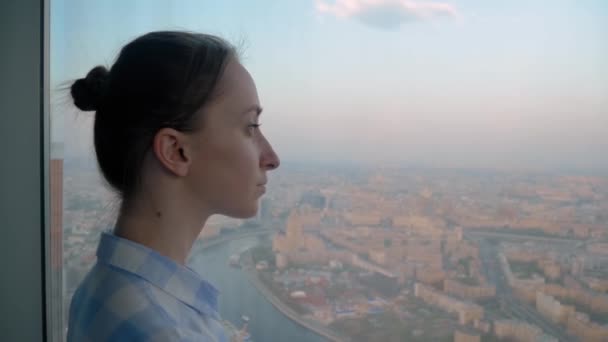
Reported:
(520, 237)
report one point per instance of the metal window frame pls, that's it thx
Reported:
(24, 169)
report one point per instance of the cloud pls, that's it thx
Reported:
(386, 14)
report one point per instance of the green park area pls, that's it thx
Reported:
(524, 270)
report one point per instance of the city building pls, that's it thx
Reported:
(520, 331)
(580, 325)
(55, 304)
(467, 312)
(552, 308)
(466, 335)
(459, 289)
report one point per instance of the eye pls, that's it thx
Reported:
(253, 127)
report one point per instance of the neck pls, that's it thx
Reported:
(164, 227)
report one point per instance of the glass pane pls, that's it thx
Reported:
(443, 166)
(56, 295)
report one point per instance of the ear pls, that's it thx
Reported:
(172, 151)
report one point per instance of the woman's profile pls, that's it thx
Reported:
(176, 135)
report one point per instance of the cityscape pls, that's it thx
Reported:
(378, 253)
(443, 169)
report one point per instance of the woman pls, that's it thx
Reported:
(177, 136)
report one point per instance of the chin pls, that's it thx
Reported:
(244, 212)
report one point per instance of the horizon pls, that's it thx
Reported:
(362, 165)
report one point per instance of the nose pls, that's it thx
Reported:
(269, 160)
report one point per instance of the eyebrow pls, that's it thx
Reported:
(254, 108)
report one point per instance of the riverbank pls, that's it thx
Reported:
(255, 280)
(202, 244)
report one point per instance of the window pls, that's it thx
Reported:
(444, 173)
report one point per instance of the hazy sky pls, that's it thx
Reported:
(519, 83)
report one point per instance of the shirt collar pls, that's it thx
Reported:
(176, 280)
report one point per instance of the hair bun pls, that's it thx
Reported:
(88, 92)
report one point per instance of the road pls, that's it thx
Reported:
(511, 306)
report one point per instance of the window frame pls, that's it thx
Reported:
(24, 170)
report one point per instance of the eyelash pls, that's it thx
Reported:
(253, 126)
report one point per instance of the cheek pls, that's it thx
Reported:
(235, 187)
(243, 162)
(229, 165)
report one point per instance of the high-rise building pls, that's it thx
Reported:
(466, 335)
(55, 304)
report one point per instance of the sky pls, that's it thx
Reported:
(458, 83)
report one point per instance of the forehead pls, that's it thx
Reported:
(236, 86)
(234, 93)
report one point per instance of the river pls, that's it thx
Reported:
(238, 297)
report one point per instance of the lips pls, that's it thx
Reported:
(262, 188)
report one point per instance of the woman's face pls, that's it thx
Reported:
(231, 156)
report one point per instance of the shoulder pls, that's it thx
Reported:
(115, 306)
(112, 305)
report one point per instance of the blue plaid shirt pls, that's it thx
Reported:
(135, 294)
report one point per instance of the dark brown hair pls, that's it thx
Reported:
(159, 80)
